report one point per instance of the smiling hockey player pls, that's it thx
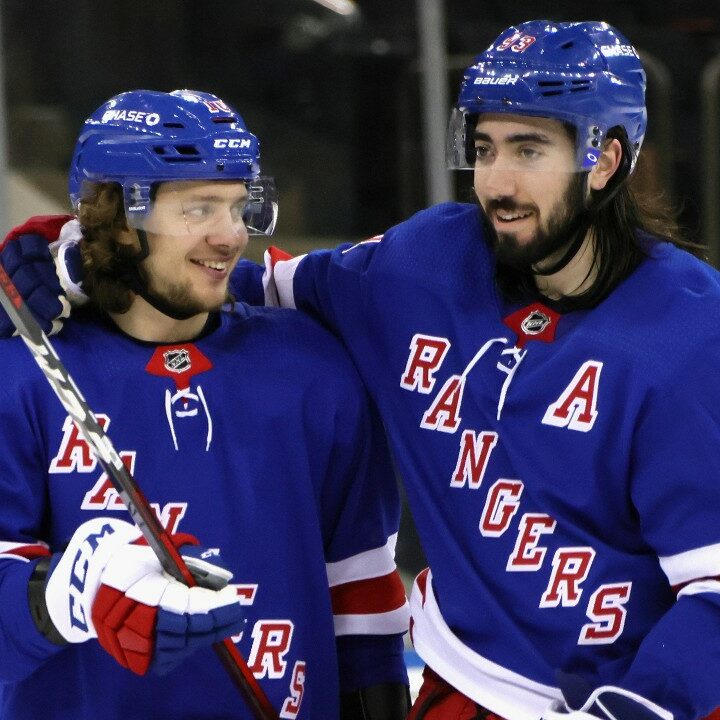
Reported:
(247, 428)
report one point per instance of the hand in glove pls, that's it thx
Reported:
(42, 258)
(108, 584)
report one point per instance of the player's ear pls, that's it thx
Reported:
(607, 164)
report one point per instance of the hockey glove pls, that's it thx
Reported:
(30, 261)
(609, 703)
(108, 584)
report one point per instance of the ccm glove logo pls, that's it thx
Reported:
(75, 575)
(79, 574)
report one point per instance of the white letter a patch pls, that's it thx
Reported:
(576, 407)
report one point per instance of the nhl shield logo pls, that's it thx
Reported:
(177, 361)
(535, 323)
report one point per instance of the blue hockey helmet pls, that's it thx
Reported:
(582, 73)
(143, 137)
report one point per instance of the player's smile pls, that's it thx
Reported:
(214, 269)
(516, 221)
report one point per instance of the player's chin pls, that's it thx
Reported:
(517, 252)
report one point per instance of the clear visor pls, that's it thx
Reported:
(534, 148)
(212, 207)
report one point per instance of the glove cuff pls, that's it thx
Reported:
(38, 603)
(68, 262)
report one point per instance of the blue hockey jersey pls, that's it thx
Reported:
(258, 439)
(562, 471)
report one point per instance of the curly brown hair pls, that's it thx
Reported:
(107, 263)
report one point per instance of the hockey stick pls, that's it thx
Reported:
(157, 537)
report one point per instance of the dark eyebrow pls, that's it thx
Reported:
(517, 138)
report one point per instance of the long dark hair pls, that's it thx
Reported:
(615, 214)
(106, 263)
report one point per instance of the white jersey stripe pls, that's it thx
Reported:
(701, 562)
(387, 623)
(500, 690)
(22, 551)
(369, 564)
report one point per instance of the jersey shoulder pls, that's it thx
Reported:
(292, 342)
(674, 281)
(442, 247)
(668, 308)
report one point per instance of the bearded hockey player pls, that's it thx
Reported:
(545, 362)
(248, 428)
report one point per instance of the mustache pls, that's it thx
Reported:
(508, 205)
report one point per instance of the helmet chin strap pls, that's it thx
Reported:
(584, 222)
(578, 233)
(135, 279)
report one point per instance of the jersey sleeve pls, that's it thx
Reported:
(22, 503)
(676, 491)
(360, 514)
(320, 282)
(246, 282)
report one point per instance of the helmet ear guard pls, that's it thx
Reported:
(585, 74)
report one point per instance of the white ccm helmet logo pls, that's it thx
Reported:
(232, 143)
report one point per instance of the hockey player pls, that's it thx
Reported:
(546, 370)
(247, 428)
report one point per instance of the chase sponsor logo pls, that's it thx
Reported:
(504, 80)
(134, 116)
(535, 323)
(177, 361)
(618, 51)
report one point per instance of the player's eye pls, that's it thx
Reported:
(197, 212)
(527, 152)
(483, 153)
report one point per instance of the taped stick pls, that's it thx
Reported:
(139, 508)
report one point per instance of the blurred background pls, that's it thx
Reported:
(339, 93)
(350, 100)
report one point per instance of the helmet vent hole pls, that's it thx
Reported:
(173, 125)
(186, 150)
(550, 83)
(223, 119)
(567, 45)
(159, 150)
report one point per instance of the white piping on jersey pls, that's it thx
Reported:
(185, 394)
(370, 241)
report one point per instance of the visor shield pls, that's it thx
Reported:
(261, 208)
(465, 151)
(201, 208)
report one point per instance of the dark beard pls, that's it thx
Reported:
(563, 223)
(177, 302)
